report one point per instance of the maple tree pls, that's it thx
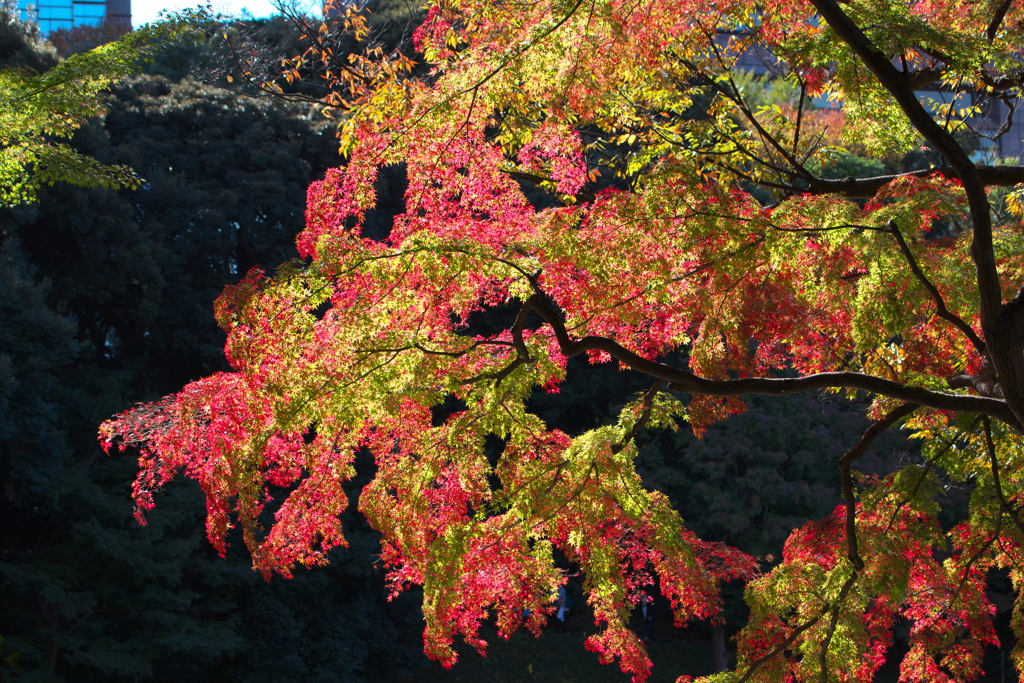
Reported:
(683, 220)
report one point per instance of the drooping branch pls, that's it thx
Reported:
(924, 473)
(973, 561)
(645, 416)
(852, 553)
(522, 353)
(823, 651)
(432, 352)
(685, 381)
(780, 648)
(832, 610)
(1004, 508)
(847, 460)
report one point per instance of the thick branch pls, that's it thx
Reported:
(984, 382)
(683, 380)
(991, 176)
(997, 20)
(922, 77)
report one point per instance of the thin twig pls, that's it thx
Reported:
(1003, 503)
(778, 649)
(823, 650)
(848, 459)
(940, 305)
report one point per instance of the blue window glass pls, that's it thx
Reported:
(93, 11)
(47, 7)
(55, 14)
(62, 14)
(48, 26)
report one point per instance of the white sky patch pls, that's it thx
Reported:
(146, 11)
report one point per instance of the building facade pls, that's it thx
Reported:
(52, 15)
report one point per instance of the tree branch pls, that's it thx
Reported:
(823, 652)
(940, 304)
(847, 460)
(522, 353)
(767, 139)
(896, 83)
(756, 664)
(852, 554)
(582, 195)
(997, 20)
(1003, 503)
(1003, 325)
(924, 473)
(683, 380)
(991, 176)
(645, 416)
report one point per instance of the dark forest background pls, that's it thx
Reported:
(106, 300)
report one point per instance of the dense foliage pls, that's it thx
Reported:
(106, 300)
(701, 240)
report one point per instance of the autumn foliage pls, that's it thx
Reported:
(688, 232)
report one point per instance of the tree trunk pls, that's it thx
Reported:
(718, 647)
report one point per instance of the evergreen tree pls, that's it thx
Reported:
(107, 302)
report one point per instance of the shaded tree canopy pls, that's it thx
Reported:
(688, 235)
(43, 102)
(105, 298)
